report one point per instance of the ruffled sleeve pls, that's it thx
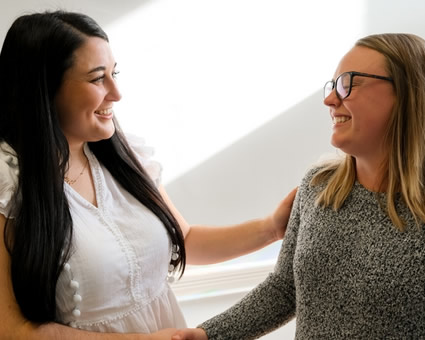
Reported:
(9, 172)
(144, 154)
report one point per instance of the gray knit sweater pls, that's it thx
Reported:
(344, 275)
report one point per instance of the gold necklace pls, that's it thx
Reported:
(72, 181)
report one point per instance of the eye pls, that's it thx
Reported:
(98, 79)
(115, 74)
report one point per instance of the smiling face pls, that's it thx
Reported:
(88, 91)
(360, 121)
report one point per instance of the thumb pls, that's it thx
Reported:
(177, 336)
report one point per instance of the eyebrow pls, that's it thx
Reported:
(99, 68)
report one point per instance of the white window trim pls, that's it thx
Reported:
(218, 280)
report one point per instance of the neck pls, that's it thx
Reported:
(371, 175)
(77, 161)
(76, 153)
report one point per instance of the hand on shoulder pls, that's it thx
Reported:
(280, 217)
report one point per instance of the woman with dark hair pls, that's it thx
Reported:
(352, 263)
(89, 236)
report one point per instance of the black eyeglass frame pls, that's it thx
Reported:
(352, 75)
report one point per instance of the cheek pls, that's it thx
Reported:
(376, 108)
(383, 111)
(376, 119)
(82, 106)
(383, 100)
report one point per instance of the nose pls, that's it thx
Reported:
(114, 93)
(332, 99)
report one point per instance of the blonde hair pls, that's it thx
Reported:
(405, 135)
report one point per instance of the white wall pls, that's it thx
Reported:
(229, 93)
(211, 72)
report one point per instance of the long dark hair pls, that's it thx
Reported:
(37, 50)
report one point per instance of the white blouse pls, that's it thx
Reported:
(116, 277)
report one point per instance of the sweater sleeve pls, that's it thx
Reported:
(268, 306)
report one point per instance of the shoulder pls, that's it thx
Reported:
(144, 154)
(9, 173)
(315, 179)
(320, 172)
(309, 175)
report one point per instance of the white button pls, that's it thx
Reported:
(73, 324)
(74, 284)
(77, 298)
(67, 267)
(76, 312)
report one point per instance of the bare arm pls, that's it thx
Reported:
(56, 331)
(14, 326)
(212, 244)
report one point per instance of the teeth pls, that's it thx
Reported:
(104, 112)
(337, 120)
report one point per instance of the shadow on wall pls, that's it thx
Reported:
(249, 178)
(104, 13)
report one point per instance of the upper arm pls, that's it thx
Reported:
(11, 318)
(184, 226)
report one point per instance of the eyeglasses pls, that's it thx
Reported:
(344, 83)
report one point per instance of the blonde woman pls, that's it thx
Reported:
(352, 263)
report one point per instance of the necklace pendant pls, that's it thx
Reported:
(72, 181)
(69, 181)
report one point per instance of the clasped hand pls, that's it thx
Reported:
(190, 334)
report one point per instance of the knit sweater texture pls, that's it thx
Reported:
(346, 274)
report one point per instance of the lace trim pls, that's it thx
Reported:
(9, 173)
(134, 269)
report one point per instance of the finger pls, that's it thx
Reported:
(291, 196)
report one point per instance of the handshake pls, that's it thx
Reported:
(179, 334)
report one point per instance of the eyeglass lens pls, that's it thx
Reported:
(342, 84)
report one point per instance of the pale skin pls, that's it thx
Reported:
(84, 103)
(367, 111)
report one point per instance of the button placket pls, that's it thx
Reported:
(76, 297)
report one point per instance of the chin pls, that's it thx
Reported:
(340, 142)
(109, 132)
(104, 135)
(335, 143)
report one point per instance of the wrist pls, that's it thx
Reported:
(270, 230)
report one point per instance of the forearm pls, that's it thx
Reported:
(268, 306)
(265, 308)
(207, 245)
(210, 244)
(54, 331)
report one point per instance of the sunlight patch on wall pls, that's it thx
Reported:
(196, 76)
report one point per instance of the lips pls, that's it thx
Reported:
(104, 112)
(340, 119)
